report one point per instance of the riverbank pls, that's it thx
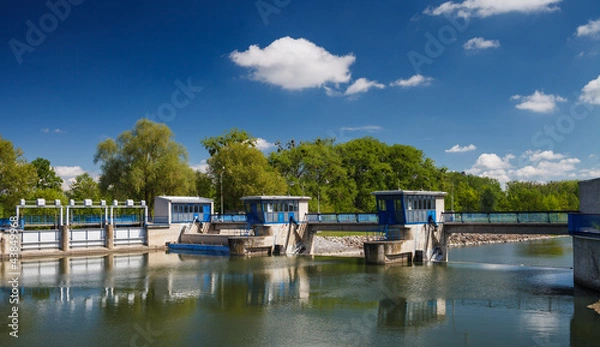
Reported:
(352, 246)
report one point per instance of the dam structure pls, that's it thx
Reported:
(409, 226)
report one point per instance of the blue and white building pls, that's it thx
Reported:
(182, 209)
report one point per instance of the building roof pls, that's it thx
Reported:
(409, 192)
(185, 199)
(276, 197)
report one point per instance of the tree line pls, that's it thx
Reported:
(146, 161)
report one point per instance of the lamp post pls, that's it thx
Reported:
(223, 169)
(319, 196)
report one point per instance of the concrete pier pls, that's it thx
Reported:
(586, 250)
(251, 245)
(64, 238)
(387, 252)
(110, 237)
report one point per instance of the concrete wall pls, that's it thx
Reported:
(439, 208)
(589, 196)
(586, 250)
(159, 236)
(418, 243)
(586, 262)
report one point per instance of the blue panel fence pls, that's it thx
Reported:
(506, 217)
(584, 224)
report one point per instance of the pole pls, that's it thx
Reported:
(222, 191)
(318, 199)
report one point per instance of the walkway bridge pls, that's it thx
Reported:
(544, 222)
(547, 222)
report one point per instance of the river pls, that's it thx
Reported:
(518, 294)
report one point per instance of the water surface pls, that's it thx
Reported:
(494, 295)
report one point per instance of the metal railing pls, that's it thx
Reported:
(584, 224)
(341, 218)
(228, 218)
(39, 239)
(129, 236)
(560, 217)
(87, 237)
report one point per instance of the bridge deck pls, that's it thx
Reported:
(507, 228)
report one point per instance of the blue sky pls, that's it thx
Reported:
(505, 89)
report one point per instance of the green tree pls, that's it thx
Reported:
(412, 170)
(47, 178)
(143, 163)
(84, 187)
(316, 169)
(367, 163)
(17, 177)
(205, 186)
(240, 169)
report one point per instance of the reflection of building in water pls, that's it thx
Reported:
(585, 321)
(399, 312)
(134, 279)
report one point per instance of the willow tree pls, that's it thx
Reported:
(143, 163)
(240, 169)
(17, 177)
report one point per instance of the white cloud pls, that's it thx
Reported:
(294, 64)
(362, 85)
(68, 173)
(590, 173)
(545, 170)
(486, 8)
(52, 131)
(592, 28)
(538, 102)
(202, 167)
(414, 81)
(479, 43)
(491, 165)
(263, 144)
(365, 128)
(458, 149)
(536, 156)
(540, 166)
(591, 92)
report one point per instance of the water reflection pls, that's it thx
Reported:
(548, 248)
(398, 312)
(585, 324)
(278, 300)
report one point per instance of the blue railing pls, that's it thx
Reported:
(29, 220)
(341, 218)
(96, 219)
(560, 217)
(228, 218)
(158, 219)
(5, 223)
(584, 224)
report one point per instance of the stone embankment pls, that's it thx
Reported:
(352, 246)
(482, 239)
